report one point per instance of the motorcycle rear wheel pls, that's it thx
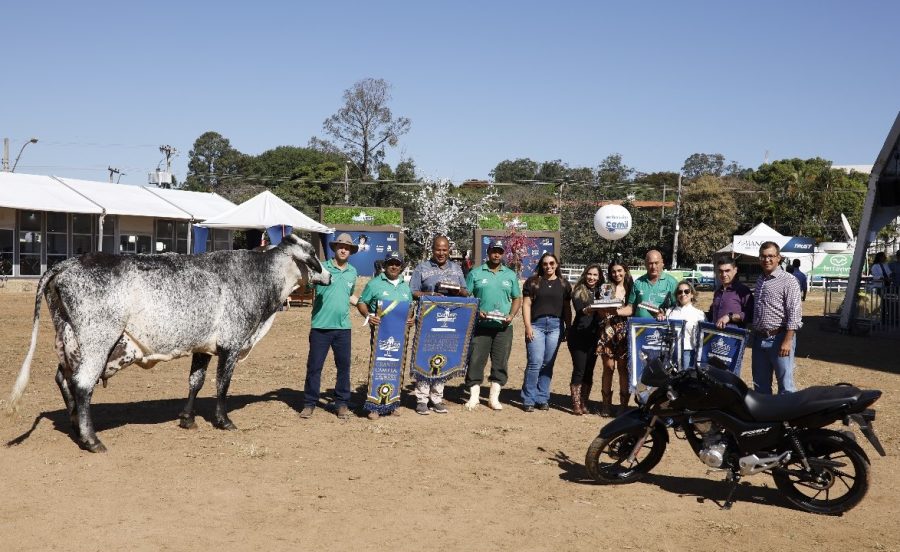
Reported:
(607, 457)
(839, 479)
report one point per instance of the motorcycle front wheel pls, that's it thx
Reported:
(838, 480)
(607, 458)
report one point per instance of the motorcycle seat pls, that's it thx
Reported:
(790, 406)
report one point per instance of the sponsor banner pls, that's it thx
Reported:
(534, 246)
(648, 339)
(833, 265)
(725, 345)
(388, 357)
(749, 245)
(373, 246)
(444, 329)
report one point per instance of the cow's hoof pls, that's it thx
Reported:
(187, 423)
(225, 424)
(96, 446)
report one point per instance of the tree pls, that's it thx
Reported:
(365, 124)
(708, 219)
(406, 171)
(522, 169)
(552, 171)
(700, 164)
(438, 209)
(211, 162)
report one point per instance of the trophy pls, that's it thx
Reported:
(606, 298)
(650, 307)
(447, 288)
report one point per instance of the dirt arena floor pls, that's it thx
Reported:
(478, 480)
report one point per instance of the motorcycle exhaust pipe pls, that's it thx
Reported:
(753, 464)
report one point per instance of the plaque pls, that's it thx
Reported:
(650, 307)
(448, 287)
(495, 315)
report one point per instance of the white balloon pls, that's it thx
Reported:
(612, 222)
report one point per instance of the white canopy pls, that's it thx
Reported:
(121, 199)
(42, 193)
(263, 211)
(200, 205)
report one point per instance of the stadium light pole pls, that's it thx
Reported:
(32, 141)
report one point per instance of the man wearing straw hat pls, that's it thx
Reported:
(330, 328)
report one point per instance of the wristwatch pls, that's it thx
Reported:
(731, 317)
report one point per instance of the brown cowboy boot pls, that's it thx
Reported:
(585, 398)
(576, 399)
(606, 410)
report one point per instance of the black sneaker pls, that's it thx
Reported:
(422, 408)
(542, 406)
(528, 408)
(440, 408)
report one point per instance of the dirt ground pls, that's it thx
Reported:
(480, 480)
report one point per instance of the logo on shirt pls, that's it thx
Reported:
(507, 283)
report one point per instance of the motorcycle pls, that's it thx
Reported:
(742, 433)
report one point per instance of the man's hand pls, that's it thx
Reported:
(722, 322)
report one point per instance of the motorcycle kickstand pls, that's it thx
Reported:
(735, 480)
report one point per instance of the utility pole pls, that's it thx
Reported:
(6, 155)
(169, 152)
(677, 224)
(347, 182)
(112, 171)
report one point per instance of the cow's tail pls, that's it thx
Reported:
(25, 371)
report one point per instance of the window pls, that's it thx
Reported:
(82, 234)
(57, 238)
(165, 236)
(135, 243)
(221, 240)
(30, 240)
(181, 234)
(6, 252)
(109, 233)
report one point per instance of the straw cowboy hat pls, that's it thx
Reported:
(344, 239)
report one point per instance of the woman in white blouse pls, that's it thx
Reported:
(686, 296)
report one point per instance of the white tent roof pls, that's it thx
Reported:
(42, 193)
(265, 210)
(199, 205)
(122, 199)
(762, 229)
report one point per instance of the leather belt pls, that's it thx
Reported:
(770, 333)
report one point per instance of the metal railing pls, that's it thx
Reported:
(877, 306)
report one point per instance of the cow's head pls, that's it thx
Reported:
(305, 257)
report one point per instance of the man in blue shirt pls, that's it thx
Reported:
(801, 279)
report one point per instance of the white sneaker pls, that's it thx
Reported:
(474, 395)
(494, 398)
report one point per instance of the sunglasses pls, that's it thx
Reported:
(683, 292)
(548, 264)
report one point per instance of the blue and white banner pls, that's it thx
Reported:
(388, 357)
(725, 345)
(648, 339)
(444, 330)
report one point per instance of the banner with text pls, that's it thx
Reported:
(444, 329)
(388, 357)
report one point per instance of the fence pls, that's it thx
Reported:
(877, 306)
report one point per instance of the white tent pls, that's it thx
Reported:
(264, 211)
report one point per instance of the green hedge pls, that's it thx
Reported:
(533, 221)
(382, 216)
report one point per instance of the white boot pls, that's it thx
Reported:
(494, 398)
(474, 393)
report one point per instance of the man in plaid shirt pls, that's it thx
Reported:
(777, 315)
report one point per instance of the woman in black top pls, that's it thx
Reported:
(582, 337)
(547, 315)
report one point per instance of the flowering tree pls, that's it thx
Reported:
(516, 243)
(439, 210)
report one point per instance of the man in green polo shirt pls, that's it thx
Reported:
(387, 287)
(330, 328)
(499, 296)
(650, 290)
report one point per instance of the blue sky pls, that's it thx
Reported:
(106, 83)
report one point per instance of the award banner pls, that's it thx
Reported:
(726, 345)
(388, 357)
(648, 339)
(444, 329)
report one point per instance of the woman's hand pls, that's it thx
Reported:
(529, 334)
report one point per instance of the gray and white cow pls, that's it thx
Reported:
(110, 311)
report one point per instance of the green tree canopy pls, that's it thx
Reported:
(211, 162)
(708, 219)
(522, 169)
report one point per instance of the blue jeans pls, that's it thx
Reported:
(688, 357)
(541, 356)
(319, 343)
(766, 362)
